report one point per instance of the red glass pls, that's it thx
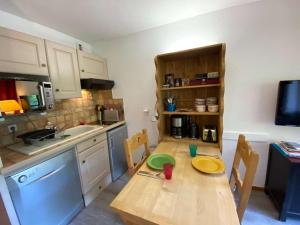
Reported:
(168, 168)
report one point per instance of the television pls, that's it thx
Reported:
(288, 103)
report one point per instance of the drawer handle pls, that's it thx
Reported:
(57, 90)
(43, 65)
(82, 70)
(95, 140)
(83, 161)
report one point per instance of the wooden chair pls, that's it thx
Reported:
(132, 145)
(243, 187)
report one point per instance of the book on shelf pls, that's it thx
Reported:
(287, 151)
(290, 146)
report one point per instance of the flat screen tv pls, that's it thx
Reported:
(288, 103)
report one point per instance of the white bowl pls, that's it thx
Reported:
(211, 99)
(199, 101)
(200, 108)
(213, 108)
(196, 104)
(211, 102)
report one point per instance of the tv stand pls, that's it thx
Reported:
(283, 183)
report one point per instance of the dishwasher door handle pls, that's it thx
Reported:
(111, 143)
(48, 174)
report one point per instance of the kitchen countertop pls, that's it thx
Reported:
(14, 161)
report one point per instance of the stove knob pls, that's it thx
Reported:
(22, 179)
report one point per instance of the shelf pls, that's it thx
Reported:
(191, 87)
(190, 141)
(186, 64)
(191, 113)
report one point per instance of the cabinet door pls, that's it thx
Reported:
(94, 165)
(92, 66)
(63, 68)
(22, 53)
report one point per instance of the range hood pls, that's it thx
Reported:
(96, 84)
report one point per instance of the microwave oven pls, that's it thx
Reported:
(44, 100)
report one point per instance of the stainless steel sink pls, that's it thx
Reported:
(75, 131)
(66, 135)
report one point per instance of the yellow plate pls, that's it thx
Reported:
(207, 164)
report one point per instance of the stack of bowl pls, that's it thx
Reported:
(211, 103)
(200, 104)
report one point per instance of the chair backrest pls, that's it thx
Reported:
(244, 187)
(132, 145)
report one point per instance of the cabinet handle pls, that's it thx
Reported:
(57, 90)
(111, 143)
(43, 65)
(100, 187)
(82, 70)
(83, 161)
(95, 140)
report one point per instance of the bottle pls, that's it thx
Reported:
(102, 108)
(99, 116)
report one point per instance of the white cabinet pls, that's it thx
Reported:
(94, 166)
(22, 53)
(92, 66)
(63, 69)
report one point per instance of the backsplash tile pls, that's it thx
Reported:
(67, 113)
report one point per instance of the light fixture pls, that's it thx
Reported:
(10, 107)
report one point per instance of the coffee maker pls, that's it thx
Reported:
(180, 126)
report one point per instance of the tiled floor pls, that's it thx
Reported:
(98, 212)
(260, 210)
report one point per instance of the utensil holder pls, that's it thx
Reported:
(171, 107)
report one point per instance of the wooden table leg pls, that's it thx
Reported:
(126, 221)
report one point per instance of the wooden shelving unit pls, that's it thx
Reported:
(191, 113)
(190, 87)
(189, 140)
(185, 64)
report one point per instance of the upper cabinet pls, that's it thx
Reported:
(92, 66)
(63, 69)
(22, 53)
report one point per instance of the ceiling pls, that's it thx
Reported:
(93, 20)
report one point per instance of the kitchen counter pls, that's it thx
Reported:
(14, 161)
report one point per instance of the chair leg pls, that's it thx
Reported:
(242, 206)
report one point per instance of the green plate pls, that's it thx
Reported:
(157, 161)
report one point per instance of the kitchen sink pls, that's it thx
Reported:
(60, 138)
(75, 131)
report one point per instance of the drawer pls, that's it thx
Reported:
(96, 189)
(91, 142)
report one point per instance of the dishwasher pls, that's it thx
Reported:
(48, 193)
(117, 157)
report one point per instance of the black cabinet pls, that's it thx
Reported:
(283, 182)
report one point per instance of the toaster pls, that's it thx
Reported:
(111, 115)
(209, 134)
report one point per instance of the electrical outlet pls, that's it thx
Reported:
(153, 118)
(12, 128)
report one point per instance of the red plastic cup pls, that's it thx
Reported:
(168, 168)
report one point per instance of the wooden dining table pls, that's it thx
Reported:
(189, 198)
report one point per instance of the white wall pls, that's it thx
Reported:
(263, 47)
(19, 24)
